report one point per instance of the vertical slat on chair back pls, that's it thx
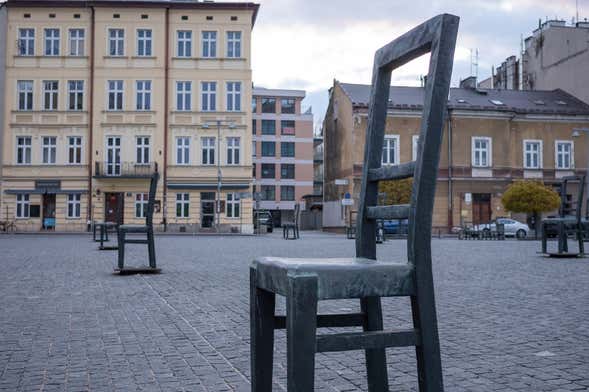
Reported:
(151, 199)
(580, 194)
(297, 213)
(438, 36)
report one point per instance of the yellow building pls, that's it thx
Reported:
(99, 96)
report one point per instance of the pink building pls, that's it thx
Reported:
(282, 150)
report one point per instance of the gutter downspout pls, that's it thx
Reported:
(91, 113)
(165, 165)
(450, 198)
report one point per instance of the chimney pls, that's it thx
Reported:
(470, 83)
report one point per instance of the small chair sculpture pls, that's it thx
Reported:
(146, 229)
(351, 227)
(499, 233)
(566, 222)
(304, 282)
(292, 226)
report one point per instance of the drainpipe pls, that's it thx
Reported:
(91, 113)
(450, 198)
(165, 165)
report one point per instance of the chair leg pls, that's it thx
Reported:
(429, 364)
(121, 248)
(151, 248)
(301, 327)
(580, 239)
(544, 239)
(376, 359)
(262, 307)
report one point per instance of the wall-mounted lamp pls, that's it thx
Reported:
(205, 126)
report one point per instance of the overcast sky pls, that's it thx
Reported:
(305, 44)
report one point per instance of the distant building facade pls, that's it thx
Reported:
(282, 151)
(491, 138)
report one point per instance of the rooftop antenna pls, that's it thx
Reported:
(577, 9)
(474, 63)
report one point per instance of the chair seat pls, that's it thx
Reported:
(337, 277)
(565, 219)
(134, 228)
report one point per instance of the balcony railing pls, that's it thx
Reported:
(124, 169)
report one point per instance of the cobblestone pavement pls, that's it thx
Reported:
(510, 320)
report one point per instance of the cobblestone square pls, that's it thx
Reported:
(509, 319)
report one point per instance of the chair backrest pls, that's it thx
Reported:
(437, 36)
(577, 206)
(151, 198)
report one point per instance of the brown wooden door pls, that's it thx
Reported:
(113, 208)
(481, 208)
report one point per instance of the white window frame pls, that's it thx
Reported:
(51, 42)
(234, 44)
(208, 102)
(117, 89)
(25, 87)
(142, 150)
(26, 150)
(183, 201)
(77, 40)
(74, 210)
(49, 145)
(23, 206)
(141, 201)
(233, 210)
(414, 147)
(183, 95)
(182, 150)
(233, 90)
(26, 41)
(116, 42)
(386, 158)
(184, 43)
(74, 150)
(145, 50)
(233, 150)
(50, 95)
(209, 43)
(571, 154)
(208, 146)
(75, 95)
(540, 153)
(488, 150)
(143, 95)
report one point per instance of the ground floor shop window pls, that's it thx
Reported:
(141, 205)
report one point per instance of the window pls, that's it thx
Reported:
(141, 205)
(268, 127)
(233, 96)
(254, 104)
(75, 94)
(234, 44)
(254, 126)
(23, 150)
(51, 42)
(182, 205)
(233, 150)
(116, 42)
(144, 42)
(390, 150)
(209, 96)
(287, 127)
(268, 149)
(254, 148)
(268, 105)
(287, 105)
(74, 148)
(232, 205)
(25, 94)
(268, 170)
(287, 149)
(254, 167)
(481, 152)
(564, 155)
(73, 205)
(49, 148)
(184, 95)
(26, 42)
(50, 98)
(22, 205)
(414, 146)
(287, 171)
(183, 150)
(209, 44)
(142, 148)
(143, 94)
(287, 192)
(115, 95)
(208, 150)
(268, 192)
(76, 42)
(184, 48)
(532, 154)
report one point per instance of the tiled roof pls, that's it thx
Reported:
(538, 102)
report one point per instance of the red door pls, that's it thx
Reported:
(113, 208)
(481, 208)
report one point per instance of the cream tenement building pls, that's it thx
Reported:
(100, 94)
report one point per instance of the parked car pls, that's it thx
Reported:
(263, 218)
(512, 227)
(396, 226)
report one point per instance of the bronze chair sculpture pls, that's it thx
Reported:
(304, 282)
